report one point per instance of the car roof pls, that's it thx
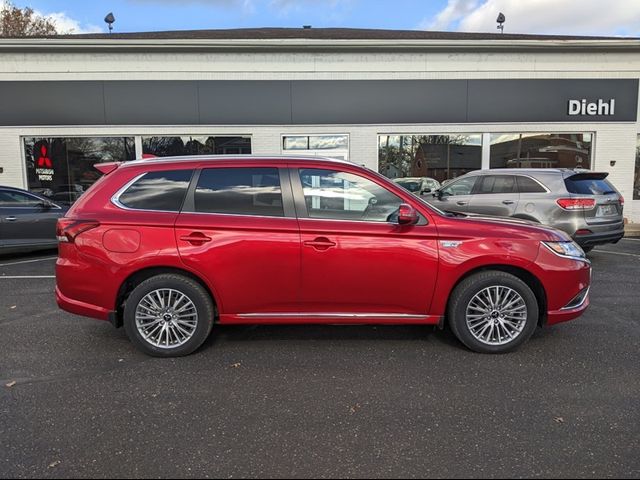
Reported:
(225, 158)
(528, 171)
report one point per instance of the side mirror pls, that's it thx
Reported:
(426, 190)
(407, 215)
(438, 194)
(44, 205)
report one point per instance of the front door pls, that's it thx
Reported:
(238, 229)
(454, 197)
(355, 260)
(27, 220)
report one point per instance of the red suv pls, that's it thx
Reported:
(169, 247)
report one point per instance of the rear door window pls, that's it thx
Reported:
(529, 185)
(240, 191)
(491, 184)
(158, 191)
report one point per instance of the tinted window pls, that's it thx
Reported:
(529, 185)
(588, 186)
(162, 191)
(496, 184)
(344, 196)
(195, 145)
(240, 191)
(460, 187)
(18, 199)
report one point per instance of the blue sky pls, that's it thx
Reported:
(574, 17)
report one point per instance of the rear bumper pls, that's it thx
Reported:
(81, 308)
(599, 238)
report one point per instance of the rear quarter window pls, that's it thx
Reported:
(589, 186)
(159, 191)
(529, 185)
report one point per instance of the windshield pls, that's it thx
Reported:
(411, 185)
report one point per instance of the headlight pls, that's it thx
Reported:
(566, 249)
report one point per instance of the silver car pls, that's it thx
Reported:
(418, 185)
(580, 202)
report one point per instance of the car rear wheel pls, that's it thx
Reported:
(493, 312)
(168, 316)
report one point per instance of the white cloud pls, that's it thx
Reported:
(66, 24)
(571, 17)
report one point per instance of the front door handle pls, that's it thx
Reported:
(196, 238)
(320, 243)
(11, 219)
(462, 203)
(508, 202)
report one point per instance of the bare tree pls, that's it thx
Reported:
(24, 22)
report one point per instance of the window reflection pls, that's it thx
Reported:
(541, 150)
(344, 196)
(62, 168)
(240, 191)
(315, 142)
(636, 181)
(177, 146)
(438, 157)
(160, 191)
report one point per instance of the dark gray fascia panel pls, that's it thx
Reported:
(51, 103)
(245, 102)
(151, 103)
(547, 100)
(379, 101)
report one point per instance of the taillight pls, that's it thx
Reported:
(68, 229)
(576, 203)
(621, 201)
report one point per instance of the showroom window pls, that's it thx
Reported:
(62, 168)
(442, 157)
(177, 146)
(332, 146)
(636, 178)
(541, 150)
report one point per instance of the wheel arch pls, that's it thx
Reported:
(526, 276)
(139, 276)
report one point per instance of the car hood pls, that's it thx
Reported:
(511, 227)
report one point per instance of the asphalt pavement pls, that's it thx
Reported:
(76, 399)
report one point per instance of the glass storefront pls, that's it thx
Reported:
(441, 157)
(327, 145)
(541, 150)
(62, 168)
(195, 145)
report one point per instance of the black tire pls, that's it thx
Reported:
(467, 290)
(194, 291)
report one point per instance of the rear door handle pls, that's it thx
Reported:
(11, 219)
(508, 202)
(461, 203)
(196, 238)
(320, 243)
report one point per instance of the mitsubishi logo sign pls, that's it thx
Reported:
(44, 165)
(44, 161)
(601, 107)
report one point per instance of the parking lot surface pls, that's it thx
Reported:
(76, 399)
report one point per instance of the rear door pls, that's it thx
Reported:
(495, 195)
(238, 229)
(608, 208)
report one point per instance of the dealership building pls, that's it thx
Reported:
(404, 103)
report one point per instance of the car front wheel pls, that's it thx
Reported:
(493, 312)
(168, 316)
